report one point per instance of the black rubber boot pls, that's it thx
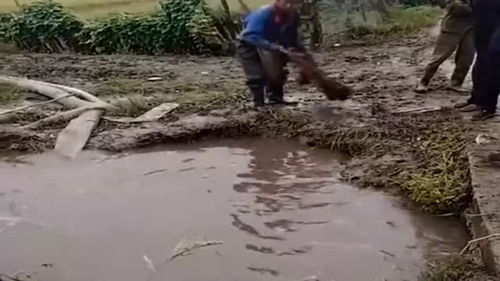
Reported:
(276, 96)
(258, 96)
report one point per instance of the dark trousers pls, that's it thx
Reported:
(486, 72)
(265, 71)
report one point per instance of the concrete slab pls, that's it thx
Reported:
(484, 217)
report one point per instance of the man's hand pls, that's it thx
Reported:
(297, 55)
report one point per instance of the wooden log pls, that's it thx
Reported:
(10, 111)
(82, 94)
(89, 110)
(45, 90)
(60, 117)
(73, 138)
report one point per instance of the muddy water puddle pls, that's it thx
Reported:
(277, 208)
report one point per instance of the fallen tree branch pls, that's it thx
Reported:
(477, 240)
(45, 89)
(152, 115)
(183, 249)
(73, 138)
(87, 107)
(62, 116)
(82, 94)
(33, 105)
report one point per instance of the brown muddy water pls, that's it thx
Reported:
(277, 207)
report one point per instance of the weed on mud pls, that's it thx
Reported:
(456, 269)
(194, 100)
(9, 93)
(433, 168)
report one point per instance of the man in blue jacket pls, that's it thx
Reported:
(486, 71)
(269, 33)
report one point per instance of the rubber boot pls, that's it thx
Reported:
(258, 96)
(276, 96)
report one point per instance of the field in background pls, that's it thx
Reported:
(101, 8)
(341, 21)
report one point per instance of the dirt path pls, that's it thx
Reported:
(379, 74)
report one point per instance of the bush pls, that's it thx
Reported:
(414, 3)
(5, 23)
(124, 34)
(181, 26)
(42, 26)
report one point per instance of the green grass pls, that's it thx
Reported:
(342, 26)
(9, 93)
(456, 269)
(132, 98)
(100, 8)
(411, 19)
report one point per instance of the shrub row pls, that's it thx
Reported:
(180, 26)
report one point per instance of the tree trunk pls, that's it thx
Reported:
(382, 7)
(45, 89)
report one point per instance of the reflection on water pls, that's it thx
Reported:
(278, 207)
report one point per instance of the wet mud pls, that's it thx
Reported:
(278, 208)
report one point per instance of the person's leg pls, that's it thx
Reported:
(491, 88)
(463, 60)
(254, 72)
(274, 64)
(445, 46)
(478, 75)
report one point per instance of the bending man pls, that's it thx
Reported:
(269, 33)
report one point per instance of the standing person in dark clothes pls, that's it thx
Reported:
(486, 72)
(269, 33)
(456, 36)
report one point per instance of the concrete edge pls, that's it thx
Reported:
(485, 204)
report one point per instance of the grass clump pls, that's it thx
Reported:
(423, 155)
(456, 269)
(9, 93)
(439, 179)
(189, 102)
(132, 107)
(442, 182)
